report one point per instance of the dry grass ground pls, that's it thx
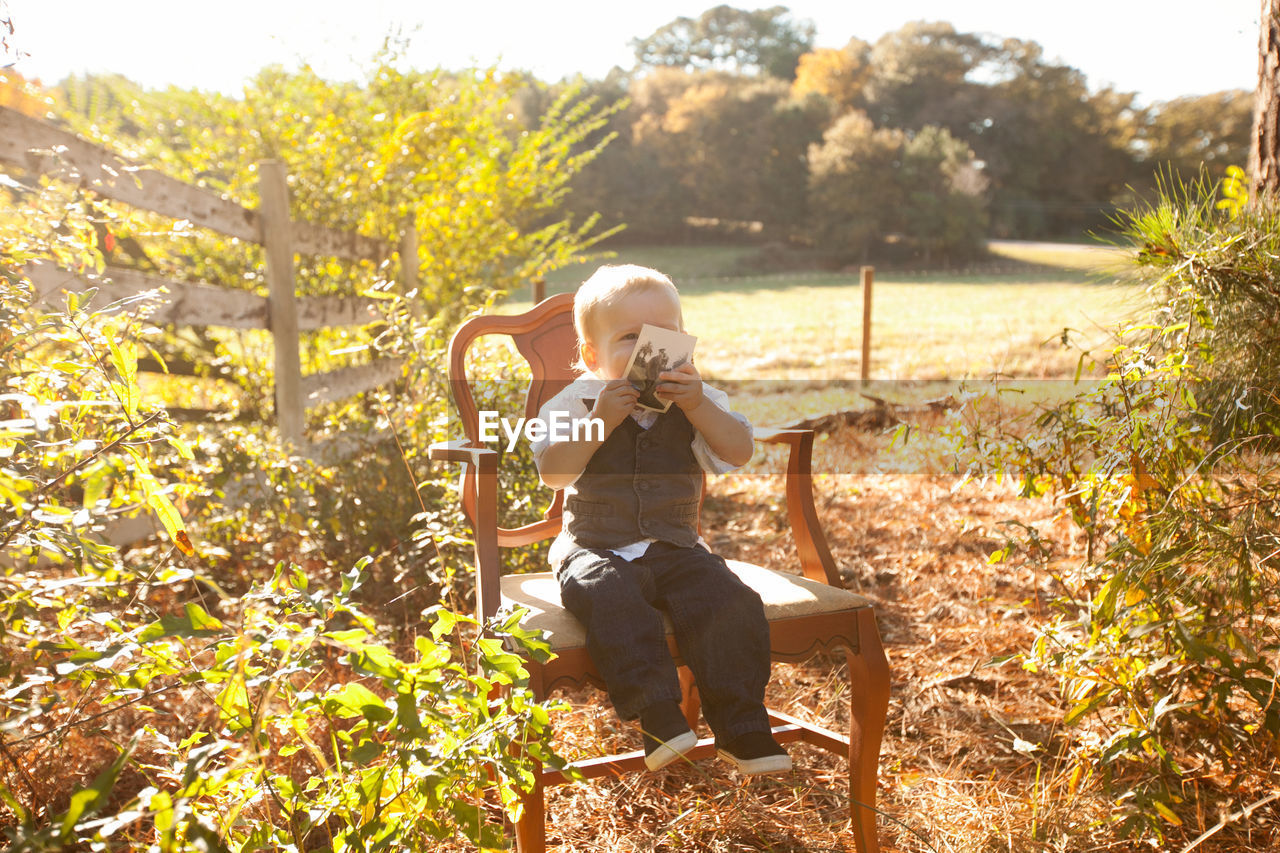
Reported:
(968, 762)
(966, 739)
(973, 758)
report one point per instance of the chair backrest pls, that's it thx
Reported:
(545, 337)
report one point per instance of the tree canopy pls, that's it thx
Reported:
(765, 41)
(1053, 156)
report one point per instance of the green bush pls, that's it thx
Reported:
(241, 712)
(307, 731)
(1167, 637)
(237, 685)
(441, 152)
(867, 183)
(76, 437)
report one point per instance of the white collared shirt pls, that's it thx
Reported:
(572, 400)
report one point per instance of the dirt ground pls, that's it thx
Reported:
(972, 758)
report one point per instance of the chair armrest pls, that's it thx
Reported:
(766, 435)
(461, 451)
(479, 487)
(811, 543)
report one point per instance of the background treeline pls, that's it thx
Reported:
(918, 146)
(914, 148)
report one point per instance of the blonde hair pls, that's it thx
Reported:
(608, 284)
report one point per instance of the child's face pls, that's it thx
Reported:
(612, 332)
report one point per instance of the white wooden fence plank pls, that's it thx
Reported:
(321, 312)
(344, 382)
(130, 530)
(117, 179)
(29, 142)
(312, 239)
(173, 302)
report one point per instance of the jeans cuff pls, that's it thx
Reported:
(743, 726)
(644, 700)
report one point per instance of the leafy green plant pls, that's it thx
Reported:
(439, 152)
(77, 438)
(312, 732)
(158, 700)
(1166, 643)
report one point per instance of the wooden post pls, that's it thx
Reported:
(868, 276)
(538, 287)
(409, 266)
(277, 239)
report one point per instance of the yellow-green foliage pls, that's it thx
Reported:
(443, 151)
(216, 695)
(1166, 641)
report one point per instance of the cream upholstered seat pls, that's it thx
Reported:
(785, 596)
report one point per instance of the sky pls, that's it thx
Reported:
(1159, 49)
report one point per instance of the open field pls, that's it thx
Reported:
(1082, 256)
(791, 342)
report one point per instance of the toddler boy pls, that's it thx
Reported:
(630, 548)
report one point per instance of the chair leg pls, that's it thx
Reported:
(691, 702)
(531, 829)
(869, 706)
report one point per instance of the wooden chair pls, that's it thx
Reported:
(807, 614)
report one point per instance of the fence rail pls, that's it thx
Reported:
(41, 148)
(38, 147)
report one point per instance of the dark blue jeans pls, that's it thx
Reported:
(719, 622)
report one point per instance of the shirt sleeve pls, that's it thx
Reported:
(701, 449)
(571, 401)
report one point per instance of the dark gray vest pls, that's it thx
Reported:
(639, 484)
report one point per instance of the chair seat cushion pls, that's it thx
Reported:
(785, 596)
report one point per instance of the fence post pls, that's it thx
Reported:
(277, 240)
(538, 289)
(409, 265)
(868, 276)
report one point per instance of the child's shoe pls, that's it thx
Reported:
(755, 752)
(666, 734)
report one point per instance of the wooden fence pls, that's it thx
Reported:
(41, 148)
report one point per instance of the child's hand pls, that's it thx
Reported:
(615, 403)
(682, 386)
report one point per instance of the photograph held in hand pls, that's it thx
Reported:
(657, 350)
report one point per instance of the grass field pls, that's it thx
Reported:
(792, 342)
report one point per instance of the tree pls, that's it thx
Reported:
(920, 74)
(442, 150)
(866, 183)
(705, 144)
(838, 74)
(1264, 150)
(1056, 154)
(1186, 134)
(851, 183)
(761, 41)
(943, 190)
(737, 146)
(18, 93)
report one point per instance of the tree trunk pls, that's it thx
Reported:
(1264, 150)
